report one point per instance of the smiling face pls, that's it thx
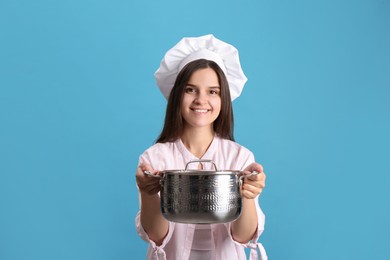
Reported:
(201, 102)
(184, 111)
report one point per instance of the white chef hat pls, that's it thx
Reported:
(205, 47)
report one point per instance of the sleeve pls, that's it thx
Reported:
(260, 226)
(154, 252)
(253, 244)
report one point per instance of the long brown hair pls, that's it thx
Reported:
(174, 122)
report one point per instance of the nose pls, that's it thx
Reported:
(201, 98)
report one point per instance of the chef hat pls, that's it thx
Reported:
(205, 47)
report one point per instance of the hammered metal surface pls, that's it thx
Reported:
(200, 198)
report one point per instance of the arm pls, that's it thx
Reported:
(153, 222)
(244, 228)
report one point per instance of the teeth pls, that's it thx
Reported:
(200, 110)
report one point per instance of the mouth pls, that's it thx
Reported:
(198, 110)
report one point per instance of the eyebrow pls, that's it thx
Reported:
(192, 85)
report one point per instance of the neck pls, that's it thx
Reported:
(197, 140)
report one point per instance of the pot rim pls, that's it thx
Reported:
(197, 172)
(200, 172)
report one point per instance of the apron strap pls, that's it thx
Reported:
(159, 254)
(253, 253)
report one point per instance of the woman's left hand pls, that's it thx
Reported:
(253, 185)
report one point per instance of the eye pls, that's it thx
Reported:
(214, 92)
(190, 89)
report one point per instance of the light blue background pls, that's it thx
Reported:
(78, 104)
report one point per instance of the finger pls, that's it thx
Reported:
(258, 183)
(145, 181)
(257, 167)
(146, 167)
(251, 193)
(152, 189)
(251, 188)
(254, 167)
(248, 195)
(148, 187)
(257, 177)
(155, 190)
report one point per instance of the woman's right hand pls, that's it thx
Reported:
(147, 184)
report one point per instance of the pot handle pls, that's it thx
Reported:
(201, 161)
(246, 176)
(152, 175)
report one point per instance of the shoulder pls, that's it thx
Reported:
(158, 149)
(231, 146)
(161, 155)
(232, 155)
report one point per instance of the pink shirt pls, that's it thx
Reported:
(227, 155)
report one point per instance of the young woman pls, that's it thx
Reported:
(200, 76)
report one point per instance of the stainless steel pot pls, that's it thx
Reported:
(200, 196)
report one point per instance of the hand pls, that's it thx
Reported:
(254, 185)
(147, 184)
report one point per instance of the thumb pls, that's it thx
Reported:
(146, 167)
(255, 167)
